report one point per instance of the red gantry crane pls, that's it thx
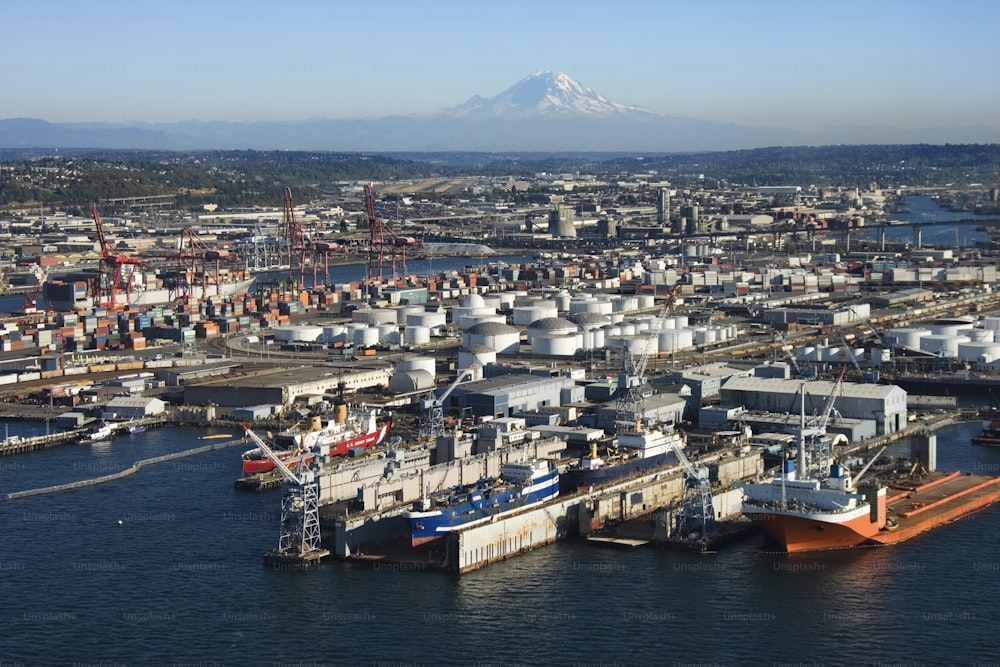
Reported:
(382, 237)
(298, 242)
(113, 272)
(195, 258)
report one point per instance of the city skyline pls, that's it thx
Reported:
(777, 64)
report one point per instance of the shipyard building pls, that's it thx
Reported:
(506, 395)
(282, 386)
(884, 404)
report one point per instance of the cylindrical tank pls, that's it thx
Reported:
(417, 335)
(563, 300)
(646, 301)
(418, 363)
(980, 353)
(302, 333)
(556, 345)
(980, 335)
(334, 333)
(942, 345)
(671, 340)
(426, 319)
(366, 337)
(468, 321)
(525, 315)
(374, 316)
(992, 323)
(906, 337)
(807, 353)
(388, 333)
(502, 338)
(403, 311)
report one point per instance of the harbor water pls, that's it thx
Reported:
(181, 581)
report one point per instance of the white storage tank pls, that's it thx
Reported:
(623, 303)
(983, 354)
(992, 323)
(942, 345)
(550, 326)
(627, 328)
(680, 321)
(906, 337)
(589, 321)
(334, 333)
(646, 301)
(807, 353)
(705, 336)
(980, 335)
(299, 333)
(502, 338)
(563, 300)
(388, 334)
(506, 300)
(468, 321)
(525, 315)
(374, 316)
(367, 337)
(476, 354)
(417, 335)
(859, 354)
(418, 363)
(403, 311)
(556, 345)
(672, 340)
(589, 304)
(493, 301)
(425, 319)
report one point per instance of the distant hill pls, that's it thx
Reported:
(546, 111)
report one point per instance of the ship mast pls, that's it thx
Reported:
(801, 464)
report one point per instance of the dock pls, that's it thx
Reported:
(942, 499)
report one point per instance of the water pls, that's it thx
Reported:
(927, 210)
(181, 581)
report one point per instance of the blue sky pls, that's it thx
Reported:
(802, 65)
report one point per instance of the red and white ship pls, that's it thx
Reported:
(812, 503)
(334, 438)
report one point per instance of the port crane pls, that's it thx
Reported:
(298, 241)
(630, 403)
(696, 509)
(432, 406)
(112, 267)
(300, 531)
(194, 258)
(382, 237)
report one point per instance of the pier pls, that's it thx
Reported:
(134, 468)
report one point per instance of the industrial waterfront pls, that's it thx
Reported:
(182, 565)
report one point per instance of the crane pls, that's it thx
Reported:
(300, 532)
(696, 510)
(382, 236)
(432, 406)
(629, 399)
(193, 257)
(112, 263)
(298, 240)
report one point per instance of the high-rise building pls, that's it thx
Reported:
(663, 207)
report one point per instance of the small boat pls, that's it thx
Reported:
(103, 433)
(137, 428)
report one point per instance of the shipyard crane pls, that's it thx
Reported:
(31, 298)
(300, 531)
(630, 404)
(432, 406)
(696, 509)
(112, 269)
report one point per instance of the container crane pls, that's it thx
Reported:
(112, 269)
(432, 406)
(383, 237)
(298, 241)
(194, 258)
(299, 544)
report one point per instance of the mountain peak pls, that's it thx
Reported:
(544, 93)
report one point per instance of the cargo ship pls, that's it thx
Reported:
(638, 451)
(802, 509)
(336, 437)
(521, 484)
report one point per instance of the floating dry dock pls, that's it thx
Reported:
(943, 499)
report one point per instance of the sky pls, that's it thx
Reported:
(802, 65)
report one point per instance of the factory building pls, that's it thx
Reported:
(133, 407)
(505, 395)
(885, 404)
(282, 386)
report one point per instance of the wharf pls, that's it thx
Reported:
(13, 445)
(943, 499)
(263, 481)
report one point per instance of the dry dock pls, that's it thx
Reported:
(943, 499)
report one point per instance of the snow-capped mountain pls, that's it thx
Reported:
(544, 93)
